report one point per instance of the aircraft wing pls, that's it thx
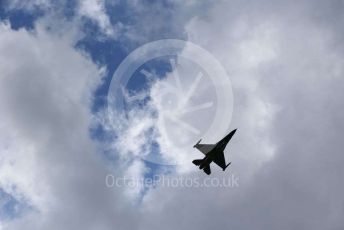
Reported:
(219, 159)
(204, 148)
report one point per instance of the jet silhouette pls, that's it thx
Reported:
(213, 153)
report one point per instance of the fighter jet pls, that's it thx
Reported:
(213, 153)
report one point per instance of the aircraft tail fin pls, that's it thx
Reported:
(197, 161)
(197, 143)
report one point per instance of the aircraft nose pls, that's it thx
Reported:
(233, 131)
(230, 135)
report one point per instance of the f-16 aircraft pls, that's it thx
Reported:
(213, 153)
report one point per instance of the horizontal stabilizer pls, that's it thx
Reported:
(197, 162)
(206, 169)
(226, 166)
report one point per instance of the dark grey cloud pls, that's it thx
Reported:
(300, 186)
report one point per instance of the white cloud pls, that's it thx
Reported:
(179, 113)
(285, 63)
(47, 157)
(95, 10)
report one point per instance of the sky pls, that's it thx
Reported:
(102, 101)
